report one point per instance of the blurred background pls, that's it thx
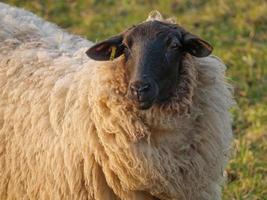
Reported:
(238, 32)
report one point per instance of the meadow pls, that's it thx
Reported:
(238, 32)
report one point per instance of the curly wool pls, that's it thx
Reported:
(68, 132)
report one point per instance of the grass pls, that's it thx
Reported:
(237, 30)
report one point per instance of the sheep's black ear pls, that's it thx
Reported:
(106, 50)
(196, 46)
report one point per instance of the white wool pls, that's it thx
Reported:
(67, 131)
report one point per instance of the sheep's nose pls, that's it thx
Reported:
(140, 89)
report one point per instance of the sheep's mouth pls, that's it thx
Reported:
(144, 105)
(143, 102)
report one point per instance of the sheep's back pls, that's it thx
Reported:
(39, 66)
(34, 56)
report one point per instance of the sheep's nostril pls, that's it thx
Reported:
(144, 88)
(134, 90)
(138, 88)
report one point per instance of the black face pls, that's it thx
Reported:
(154, 52)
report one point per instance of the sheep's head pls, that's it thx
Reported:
(154, 51)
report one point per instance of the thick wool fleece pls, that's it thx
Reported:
(68, 132)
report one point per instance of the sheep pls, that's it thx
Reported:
(111, 126)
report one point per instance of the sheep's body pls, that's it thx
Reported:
(66, 131)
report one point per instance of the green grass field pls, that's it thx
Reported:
(237, 30)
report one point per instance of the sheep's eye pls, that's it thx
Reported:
(174, 46)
